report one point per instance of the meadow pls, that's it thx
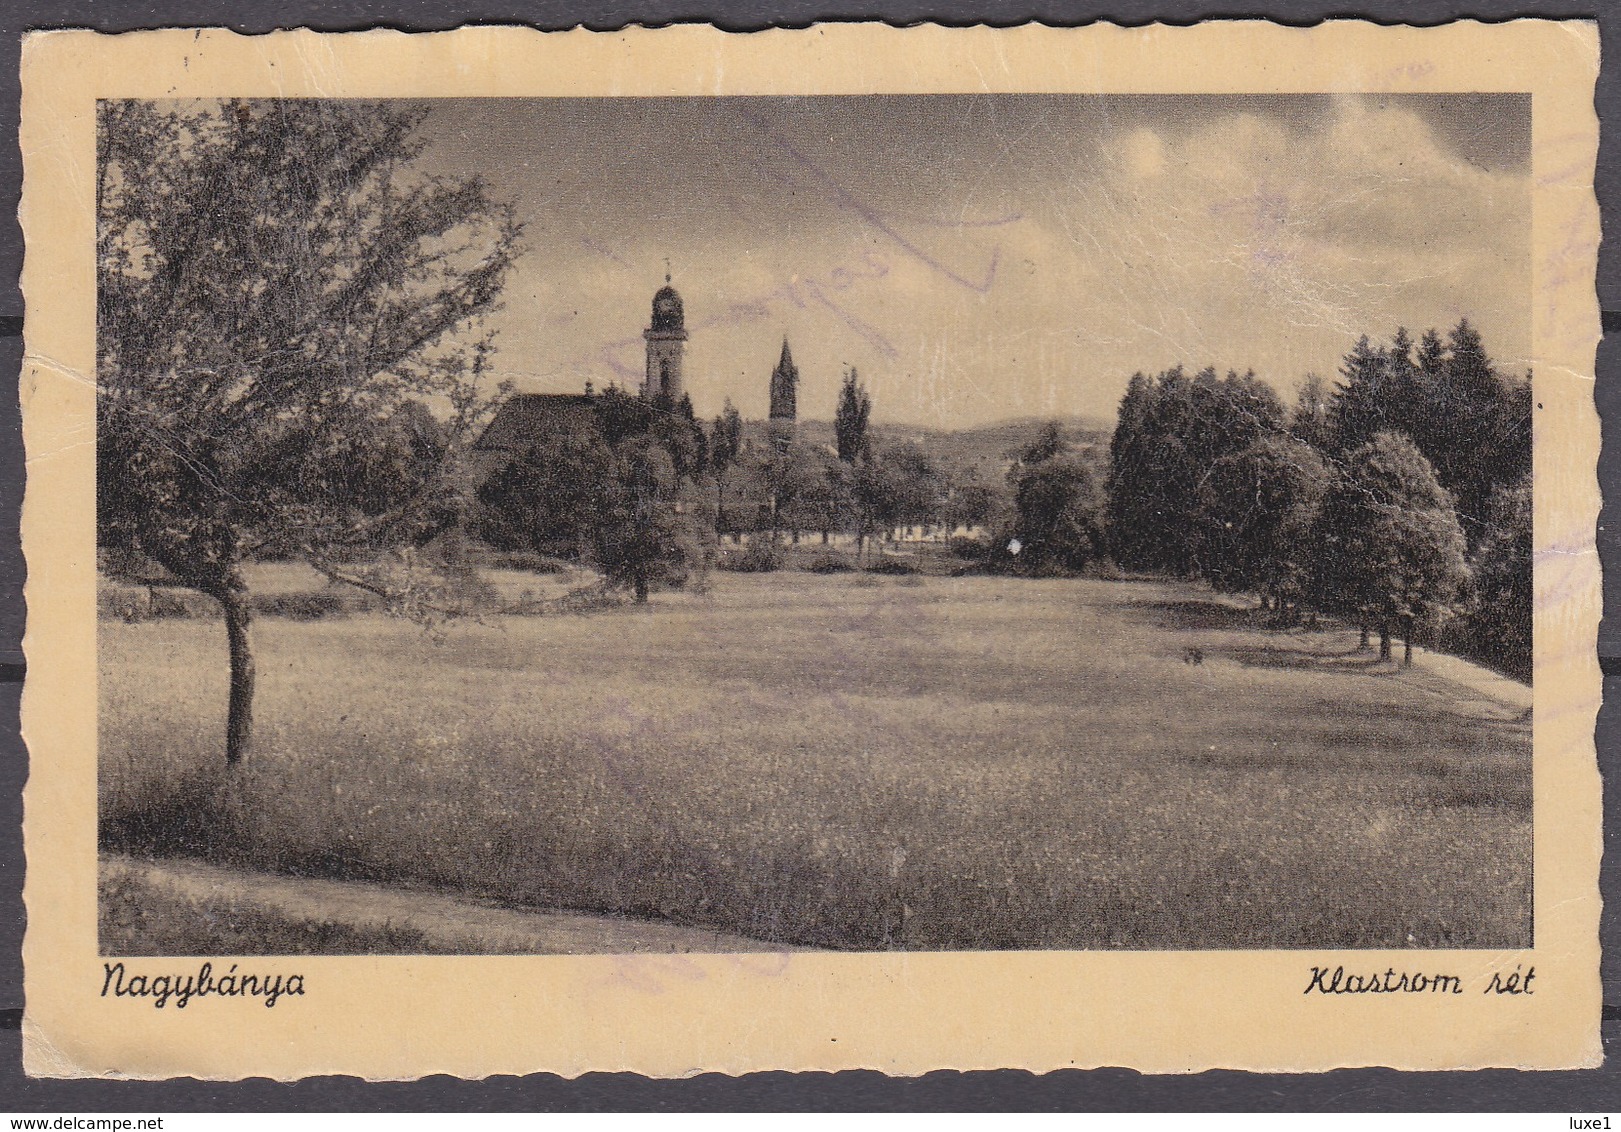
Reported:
(851, 761)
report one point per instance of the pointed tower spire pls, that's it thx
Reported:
(784, 397)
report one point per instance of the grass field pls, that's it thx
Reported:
(853, 762)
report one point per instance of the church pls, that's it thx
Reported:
(525, 420)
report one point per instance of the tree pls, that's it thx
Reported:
(972, 502)
(1365, 401)
(1472, 422)
(1499, 621)
(547, 498)
(272, 275)
(676, 429)
(850, 419)
(1049, 442)
(913, 486)
(1480, 428)
(824, 502)
(1172, 430)
(874, 494)
(1060, 504)
(621, 415)
(383, 466)
(1390, 545)
(725, 446)
(1133, 408)
(642, 537)
(790, 473)
(1431, 354)
(1309, 421)
(1258, 508)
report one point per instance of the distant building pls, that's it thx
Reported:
(784, 398)
(526, 420)
(666, 346)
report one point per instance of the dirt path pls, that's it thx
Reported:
(1482, 681)
(452, 924)
(1459, 684)
(1441, 674)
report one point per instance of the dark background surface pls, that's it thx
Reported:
(1096, 1090)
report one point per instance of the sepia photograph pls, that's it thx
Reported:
(937, 522)
(680, 553)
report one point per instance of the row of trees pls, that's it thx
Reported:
(553, 497)
(1398, 499)
(863, 486)
(1332, 505)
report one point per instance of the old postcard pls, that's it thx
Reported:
(857, 547)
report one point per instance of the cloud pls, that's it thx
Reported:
(1264, 246)
(985, 258)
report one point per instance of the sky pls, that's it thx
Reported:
(983, 257)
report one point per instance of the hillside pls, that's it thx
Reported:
(985, 447)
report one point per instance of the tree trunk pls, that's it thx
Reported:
(1407, 642)
(1362, 645)
(1384, 639)
(233, 599)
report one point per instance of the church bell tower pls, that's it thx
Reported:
(666, 345)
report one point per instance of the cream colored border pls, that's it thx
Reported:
(905, 1014)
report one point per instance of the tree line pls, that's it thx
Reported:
(641, 491)
(1398, 499)
(709, 484)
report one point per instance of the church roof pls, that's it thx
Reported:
(527, 418)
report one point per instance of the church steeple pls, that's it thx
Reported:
(784, 398)
(666, 345)
(785, 386)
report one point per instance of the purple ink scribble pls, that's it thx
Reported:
(847, 200)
